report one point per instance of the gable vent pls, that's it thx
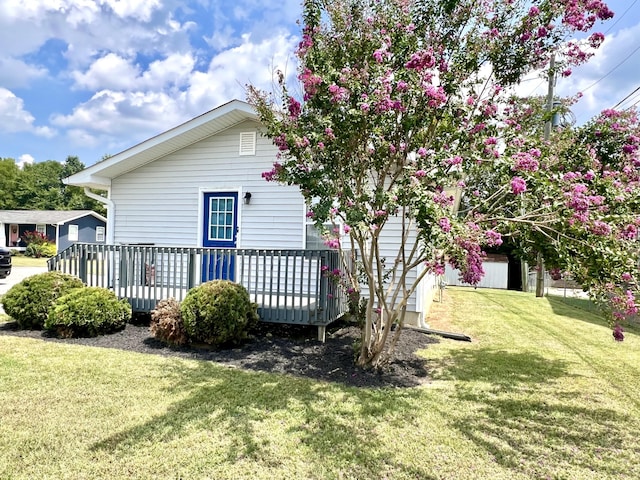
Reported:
(247, 143)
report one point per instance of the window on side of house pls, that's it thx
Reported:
(99, 234)
(73, 233)
(41, 228)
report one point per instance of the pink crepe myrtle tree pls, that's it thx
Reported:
(401, 104)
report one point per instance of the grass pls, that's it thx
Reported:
(22, 261)
(541, 392)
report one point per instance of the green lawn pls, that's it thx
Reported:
(543, 391)
(22, 261)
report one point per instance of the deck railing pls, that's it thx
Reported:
(289, 286)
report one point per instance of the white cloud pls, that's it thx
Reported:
(138, 105)
(24, 159)
(14, 118)
(140, 9)
(91, 27)
(249, 63)
(608, 77)
(16, 73)
(109, 72)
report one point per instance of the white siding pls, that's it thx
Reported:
(160, 202)
(496, 275)
(390, 239)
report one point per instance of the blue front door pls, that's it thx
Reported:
(220, 229)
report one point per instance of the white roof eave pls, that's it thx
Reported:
(100, 174)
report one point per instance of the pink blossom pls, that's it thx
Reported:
(272, 174)
(600, 228)
(379, 55)
(526, 161)
(618, 333)
(518, 185)
(338, 94)
(436, 95)
(402, 86)
(294, 108)
(436, 267)
(421, 60)
(420, 173)
(445, 225)
(493, 238)
(629, 232)
(333, 243)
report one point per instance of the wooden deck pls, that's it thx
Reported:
(287, 285)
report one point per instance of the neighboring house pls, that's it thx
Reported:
(200, 185)
(62, 227)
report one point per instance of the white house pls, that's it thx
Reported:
(200, 185)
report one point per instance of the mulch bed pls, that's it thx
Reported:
(278, 348)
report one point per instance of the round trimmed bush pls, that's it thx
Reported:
(88, 312)
(218, 312)
(29, 301)
(166, 323)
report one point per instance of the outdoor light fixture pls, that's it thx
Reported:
(247, 198)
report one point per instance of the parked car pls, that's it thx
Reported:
(5, 262)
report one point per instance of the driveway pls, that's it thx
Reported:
(17, 275)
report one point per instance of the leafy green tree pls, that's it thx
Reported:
(9, 172)
(38, 186)
(403, 104)
(74, 197)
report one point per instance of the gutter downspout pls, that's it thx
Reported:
(111, 213)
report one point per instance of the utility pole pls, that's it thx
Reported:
(547, 136)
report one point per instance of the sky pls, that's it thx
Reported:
(91, 78)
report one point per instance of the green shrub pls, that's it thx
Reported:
(40, 250)
(49, 250)
(88, 312)
(218, 312)
(29, 301)
(166, 323)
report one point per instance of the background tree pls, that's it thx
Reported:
(74, 197)
(9, 172)
(403, 102)
(39, 186)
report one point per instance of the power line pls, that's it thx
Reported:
(620, 17)
(633, 105)
(625, 98)
(612, 70)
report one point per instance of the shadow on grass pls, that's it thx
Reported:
(585, 310)
(525, 431)
(231, 405)
(507, 370)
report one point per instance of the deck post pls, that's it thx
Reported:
(191, 268)
(82, 264)
(322, 333)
